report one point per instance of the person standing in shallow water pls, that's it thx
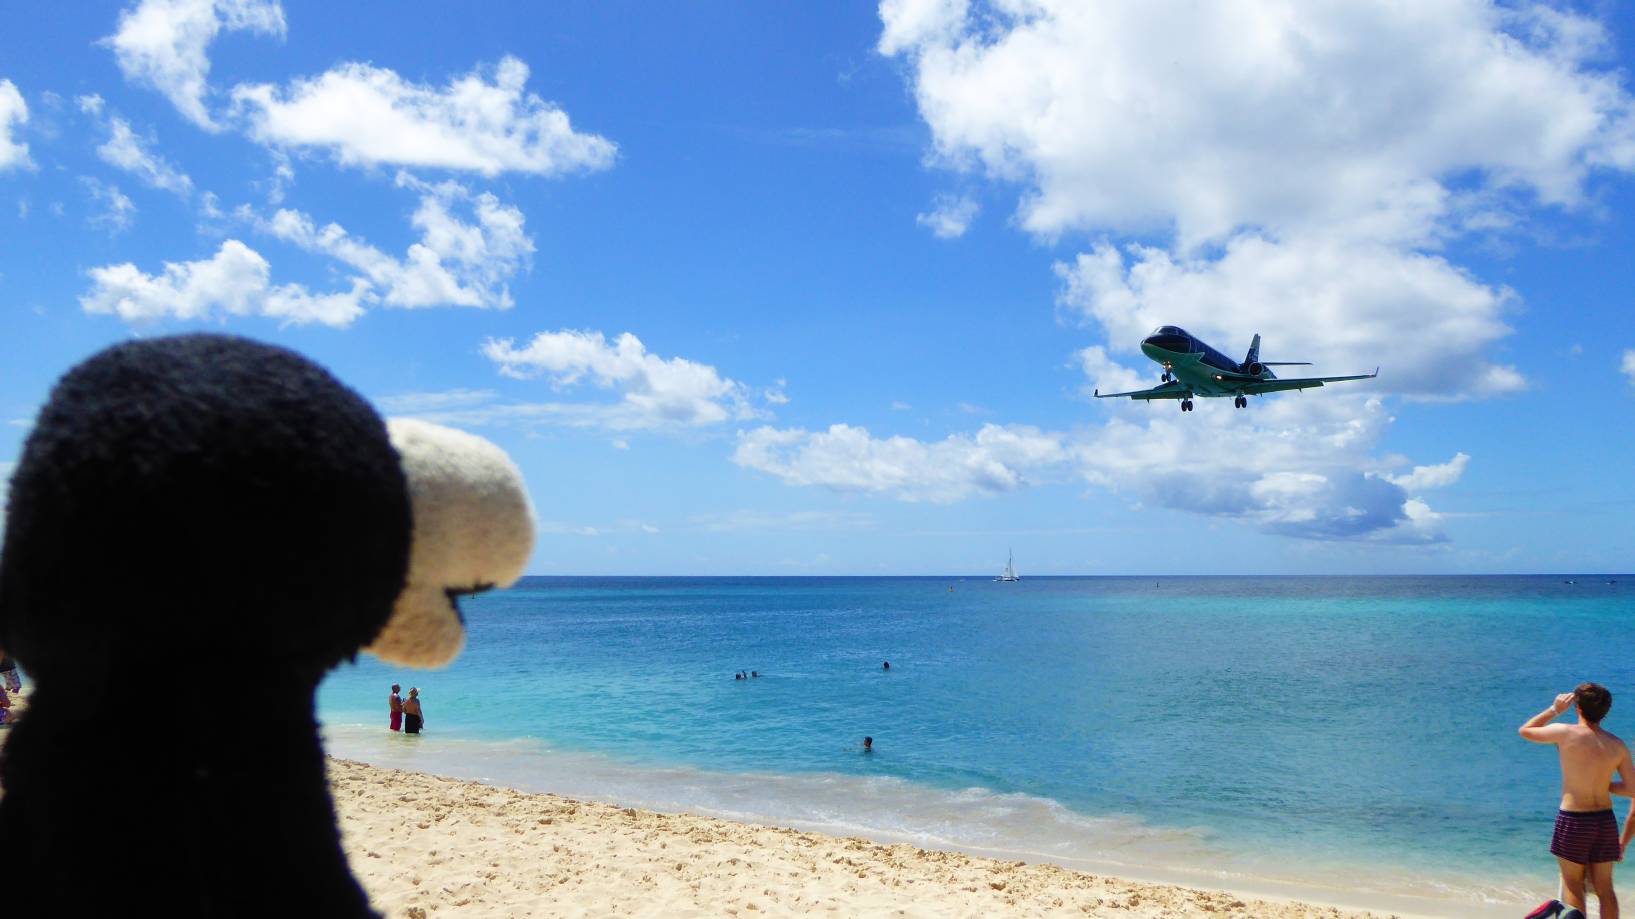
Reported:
(1586, 843)
(413, 718)
(395, 706)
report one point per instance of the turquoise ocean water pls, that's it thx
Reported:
(1342, 738)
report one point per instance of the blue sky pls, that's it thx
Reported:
(871, 259)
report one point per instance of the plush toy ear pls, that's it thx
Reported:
(473, 530)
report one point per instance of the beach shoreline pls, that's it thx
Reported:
(423, 844)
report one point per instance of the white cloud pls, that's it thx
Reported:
(1285, 116)
(748, 520)
(210, 206)
(13, 110)
(454, 264)
(1420, 524)
(1106, 374)
(560, 528)
(1346, 306)
(127, 151)
(1303, 469)
(417, 403)
(1628, 367)
(162, 43)
(909, 23)
(845, 458)
(949, 217)
(116, 211)
(282, 178)
(233, 282)
(656, 392)
(557, 528)
(899, 406)
(366, 116)
(1438, 476)
(1297, 468)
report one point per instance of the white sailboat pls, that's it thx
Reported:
(1010, 570)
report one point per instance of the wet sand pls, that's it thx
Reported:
(424, 845)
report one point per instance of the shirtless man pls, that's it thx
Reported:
(1586, 838)
(394, 707)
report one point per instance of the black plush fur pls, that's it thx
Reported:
(199, 528)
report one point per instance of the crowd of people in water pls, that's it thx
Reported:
(868, 742)
(408, 716)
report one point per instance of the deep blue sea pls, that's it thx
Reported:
(1348, 735)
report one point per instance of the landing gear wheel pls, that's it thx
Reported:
(1186, 405)
(1240, 402)
(1163, 377)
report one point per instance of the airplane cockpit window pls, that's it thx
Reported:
(1169, 330)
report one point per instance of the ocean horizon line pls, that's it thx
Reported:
(979, 576)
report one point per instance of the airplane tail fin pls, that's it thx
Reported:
(1254, 351)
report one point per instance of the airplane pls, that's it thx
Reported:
(1192, 368)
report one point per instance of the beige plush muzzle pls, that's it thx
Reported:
(473, 530)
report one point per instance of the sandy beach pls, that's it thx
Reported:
(424, 845)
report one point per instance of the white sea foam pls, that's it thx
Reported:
(976, 820)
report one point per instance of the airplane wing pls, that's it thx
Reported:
(1171, 390)
(1255, 389)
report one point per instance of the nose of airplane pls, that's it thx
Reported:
(1155, 345)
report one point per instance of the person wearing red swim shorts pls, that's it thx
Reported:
(395, 706)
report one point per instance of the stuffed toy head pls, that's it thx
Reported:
(170, 484)
(472, 532)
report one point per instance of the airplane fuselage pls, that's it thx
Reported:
(1200, 368)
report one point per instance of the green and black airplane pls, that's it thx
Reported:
(1192, 368)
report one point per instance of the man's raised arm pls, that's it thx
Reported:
(1538, 728)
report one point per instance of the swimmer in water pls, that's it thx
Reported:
(868, 745)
